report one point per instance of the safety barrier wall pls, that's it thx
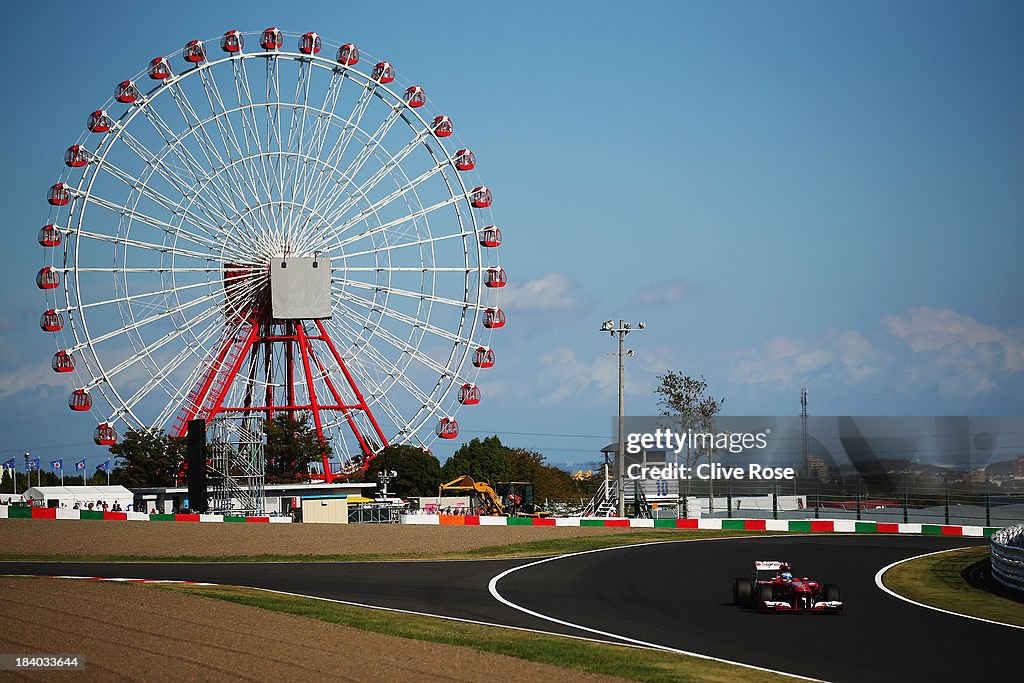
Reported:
(792, 525)
(1007, 548)
(19, 512)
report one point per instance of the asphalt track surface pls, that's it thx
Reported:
(674, 594)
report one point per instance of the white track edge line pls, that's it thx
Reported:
(492, 588)
(883, 570)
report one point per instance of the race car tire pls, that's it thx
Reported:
(832, 592)
(742, 592)
(764, 594)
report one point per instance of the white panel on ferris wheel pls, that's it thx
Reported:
(300, 288)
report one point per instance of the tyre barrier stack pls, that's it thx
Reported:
(1007, 547)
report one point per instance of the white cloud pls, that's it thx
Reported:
(551, 292)
(662, 293)
(956, 353)
(565, 375)
(838, 355)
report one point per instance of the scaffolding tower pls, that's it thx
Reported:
(236, 464)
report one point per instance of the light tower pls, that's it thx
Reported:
(621, 331)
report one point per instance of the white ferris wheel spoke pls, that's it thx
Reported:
(413, 322)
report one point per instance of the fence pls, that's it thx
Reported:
(1007, 547)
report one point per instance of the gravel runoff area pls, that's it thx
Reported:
(135, 632)
(203, 539)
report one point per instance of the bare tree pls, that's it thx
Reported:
(684, 400)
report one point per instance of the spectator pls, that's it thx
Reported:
(76, 506)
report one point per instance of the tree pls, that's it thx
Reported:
(685, 400)
(419, 473)
(147, 458)
(292, 444)
(483, 460)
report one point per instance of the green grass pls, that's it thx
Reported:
(556, 546)
(632, 663)
(935, 580)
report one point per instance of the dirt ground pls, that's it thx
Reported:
(175, 539)
(133, 632)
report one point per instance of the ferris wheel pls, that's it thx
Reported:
(251, 229)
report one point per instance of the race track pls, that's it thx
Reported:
(673, 594)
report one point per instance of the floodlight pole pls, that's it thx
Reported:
(621, 331)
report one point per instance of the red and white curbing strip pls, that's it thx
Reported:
(19, 512)
(114, 579)
(793, 525)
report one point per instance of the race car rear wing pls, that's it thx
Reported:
(769, 565)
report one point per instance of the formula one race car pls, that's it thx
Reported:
(772, 588)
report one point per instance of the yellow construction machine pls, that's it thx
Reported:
(511, 499)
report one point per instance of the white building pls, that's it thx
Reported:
(67, 496)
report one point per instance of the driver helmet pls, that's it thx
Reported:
(786, 576)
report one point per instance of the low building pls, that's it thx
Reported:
(281, 499)
(86, 497)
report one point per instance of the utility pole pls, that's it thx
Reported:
(621, 331)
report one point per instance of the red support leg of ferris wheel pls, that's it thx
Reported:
(214, 389)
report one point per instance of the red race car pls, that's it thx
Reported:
(772, 588)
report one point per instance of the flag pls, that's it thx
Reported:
(104, 465)
(32, 464)
(56, 464)
(80, 465)
(9, 464)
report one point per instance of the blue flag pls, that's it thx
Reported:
(56, 464)
(104, 465)
(80, 465)
(32, 464)
(9, 464)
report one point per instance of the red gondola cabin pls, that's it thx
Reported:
(105, 435)
(232, 42)
(447, 428)
(494, 318)
(159, 69)
(483, 357)
(271, 39)
(80, 400)
(99, 122)
(51, 321)
(75, 157)
(480, 197)
(469, 395)
(465, 160)
(348, 54)
(490, 236)
(383, 72)
(50, 236)
(125, 92)
(310, 44)
(48, 278)
(442, 126)
(194, 52)
(62, 362)
(415, 96)
(59, 195)
(496, 277)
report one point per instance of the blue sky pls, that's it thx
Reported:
(789, 194)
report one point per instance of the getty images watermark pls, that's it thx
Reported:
(773, 448)
(691, 443)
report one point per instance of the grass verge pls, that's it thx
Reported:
(936, 580)
(556, 546)
(613, 660)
